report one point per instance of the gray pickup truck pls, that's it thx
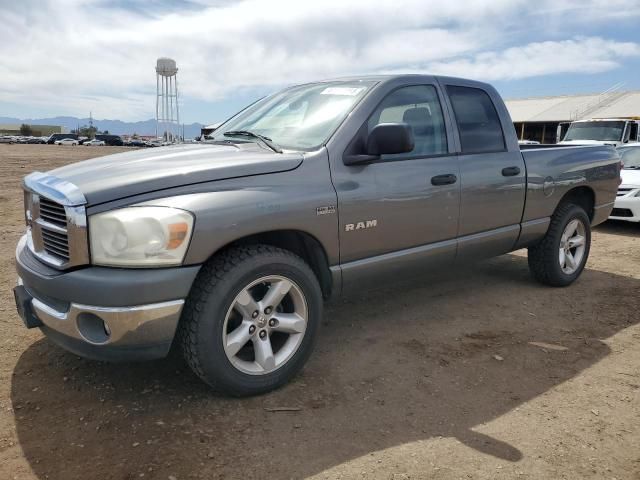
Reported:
(226, 249)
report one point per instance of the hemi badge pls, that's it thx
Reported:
(329, 209)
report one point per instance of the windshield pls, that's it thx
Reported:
(630, 157)
(298, 118)
(597, 130)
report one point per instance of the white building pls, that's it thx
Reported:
(538, 118)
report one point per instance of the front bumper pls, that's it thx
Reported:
(103, 313)
(627, 208)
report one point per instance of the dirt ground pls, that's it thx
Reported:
(432, 381)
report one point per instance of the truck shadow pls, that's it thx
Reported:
(391, 367)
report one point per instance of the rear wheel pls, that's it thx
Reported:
(250, 321)
(560, 257)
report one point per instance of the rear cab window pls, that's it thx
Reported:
(477, 119)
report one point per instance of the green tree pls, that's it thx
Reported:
(26, 130)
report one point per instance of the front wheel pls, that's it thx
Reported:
(250, 320)
(560, 257)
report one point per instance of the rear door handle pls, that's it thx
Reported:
(447, 179)
(510, 171)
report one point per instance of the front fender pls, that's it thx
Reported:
(238, 208)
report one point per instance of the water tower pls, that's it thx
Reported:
(167, 112)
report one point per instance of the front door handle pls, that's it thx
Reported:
(510, 171)
(447, 179)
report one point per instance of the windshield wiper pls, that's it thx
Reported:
(220, 142)
(246, 133)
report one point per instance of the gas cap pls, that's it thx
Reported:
(548, 187)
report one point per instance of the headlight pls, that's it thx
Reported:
(140, 236)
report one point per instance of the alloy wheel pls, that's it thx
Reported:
(265, 325)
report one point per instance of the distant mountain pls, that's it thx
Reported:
(116, 127)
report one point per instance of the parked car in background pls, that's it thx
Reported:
(135, 143)
(7, 139)
(94, 143)
(111, 140)
(208, 130)
(59, 136)
(67, 141)
(153, 143)
(227, 248)
(627, 206)
(30, 139)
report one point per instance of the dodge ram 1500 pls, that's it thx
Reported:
(226, 249)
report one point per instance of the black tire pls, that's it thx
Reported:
(215, 288)
(543, 257)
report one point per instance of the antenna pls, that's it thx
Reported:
(167, 112)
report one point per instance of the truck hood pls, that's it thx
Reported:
(630, 178)
(131, 173)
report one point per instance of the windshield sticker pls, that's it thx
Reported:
(346, 91)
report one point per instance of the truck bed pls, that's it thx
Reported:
(553, 170)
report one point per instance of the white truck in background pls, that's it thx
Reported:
(601, 131)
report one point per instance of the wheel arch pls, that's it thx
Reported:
(299, 242)
(582, 196)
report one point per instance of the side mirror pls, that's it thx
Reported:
(390, 138)
(384, 139)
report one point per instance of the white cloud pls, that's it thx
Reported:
(71, 56)
(579, 55)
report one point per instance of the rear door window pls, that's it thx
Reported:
(478, 122)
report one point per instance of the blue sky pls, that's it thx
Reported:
(69, 57)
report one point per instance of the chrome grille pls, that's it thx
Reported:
(52, 219)
(56, 243)
(56, 217)
(53, 212)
